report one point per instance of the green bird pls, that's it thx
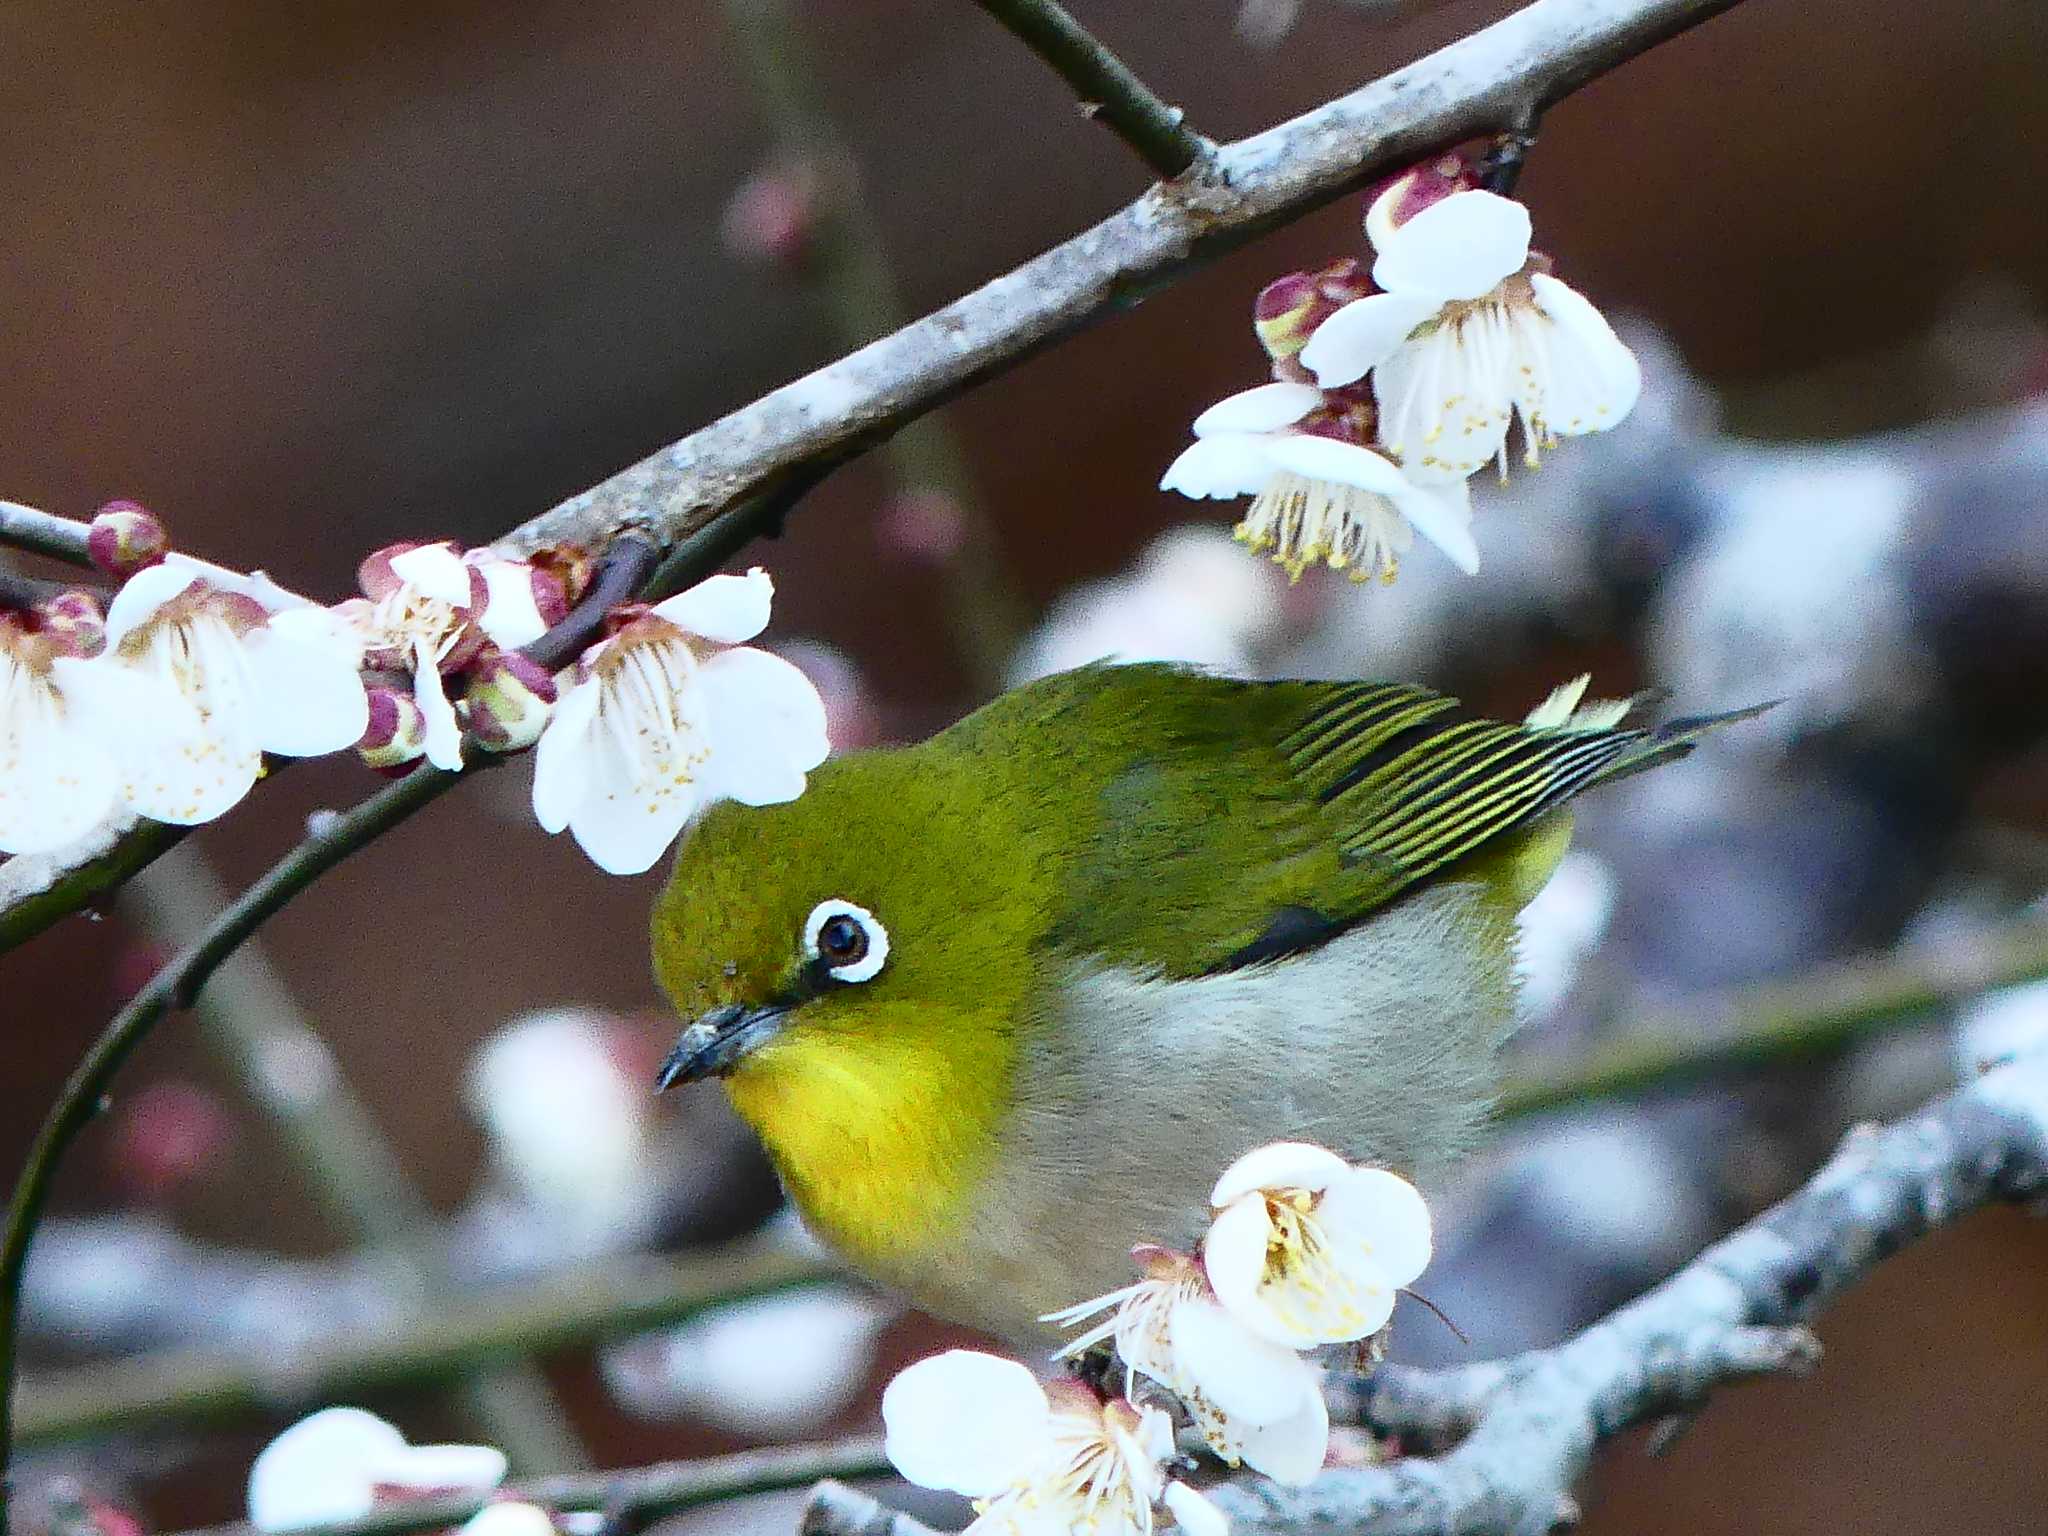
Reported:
(1004, 1003)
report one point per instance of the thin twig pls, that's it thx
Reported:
(644, 1492)
(1822, 1013)
(44, 533)
(1109, 92)
(619, 1297)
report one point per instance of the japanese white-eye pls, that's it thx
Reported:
(1004, 1003)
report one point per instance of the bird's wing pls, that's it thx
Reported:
(1335, 799)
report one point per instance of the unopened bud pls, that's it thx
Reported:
(509, 700)
(568, 568)
(1414, 190)
(71, 624)
(772, 219)
(1288, 309)
(126, 537)
(397, 734)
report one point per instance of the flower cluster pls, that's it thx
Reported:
(1303, 1251)
(1392, 389)
(165, 705)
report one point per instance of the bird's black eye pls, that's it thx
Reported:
(847, 940)
(841, 941)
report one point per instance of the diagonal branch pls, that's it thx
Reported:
(1508, 1440)
(44, 533)
(1109, 92)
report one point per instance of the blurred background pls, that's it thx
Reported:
(306, 280)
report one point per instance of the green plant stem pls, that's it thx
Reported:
(250, 1022)
(849, 269)
(44, 533)
(1109, 92)
(1822, 1013)
(460, 1335)
(642, 1493)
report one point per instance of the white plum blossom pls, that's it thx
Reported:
(1254, 1401)
(235, 667)
(337, 1464)
(1469, 331)
(1036, 1463)
(1567, 708)
(1319, 493)
(668, 713)
(1307, 1249)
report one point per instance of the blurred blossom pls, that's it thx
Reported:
(1561, 927)
(1191, 597)
(166, 1137)
(2000, 1025)
(568, 1129)
(852, 719)
(772, 218)
(773, 1366)
(927, 527)
(340, 1463)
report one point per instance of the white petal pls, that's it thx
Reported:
(1251, 1379)
(727, 609)
(1194, 1512)
(1267, 408)
(511, 617)
(765, 725)
(509, 1517)
(189, 764)
(1234, 464)
(1385, 1220)
(1442, 514)
(1460, 248)
(141, 596)
(637, 800)
(1293, 1450)
(1234, 1254)
(1446, 399)
(1362, 335)
(1593, 381)
(1279, 1165)
(57, 782)
(310, 624)
(442, 1466)
(561, 762)
(1324, 458)
(308, 699)
(437, 571)
(317, 1472)
(430, 692)
(965, 1421)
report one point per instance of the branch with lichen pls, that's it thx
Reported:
(1499, 1447)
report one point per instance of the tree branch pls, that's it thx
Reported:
(641, 1494)
(44, 533)
(1507, 1440)
(1821, 1013)
(622, 1296)
(1109, 92)
(1481, 84)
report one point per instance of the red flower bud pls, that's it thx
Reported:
(126, 537)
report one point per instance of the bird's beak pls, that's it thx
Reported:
(713, 1045)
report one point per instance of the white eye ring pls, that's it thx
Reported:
(868, 965)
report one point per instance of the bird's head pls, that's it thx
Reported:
(853, 966)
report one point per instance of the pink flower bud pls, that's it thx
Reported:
(924, 527)
(1397, 201)
(166, 1137)
(126, 537)
(568, 568)
(508, 701)
(1288, 309)
(71, 624)
(772, 219)
(397, 734)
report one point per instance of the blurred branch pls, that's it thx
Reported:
(1821, 1013)
(1109, 92)
(850, 269)
(253, 1024)
(603, 1301)
(1498, 1447)
(837, 1510)
(640, 1494)
(44, 533)
(1487, 81)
